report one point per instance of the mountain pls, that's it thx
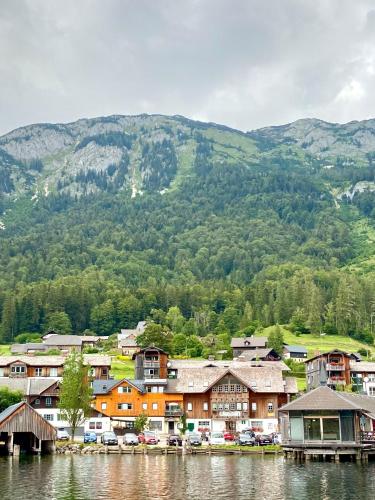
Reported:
(170, 211)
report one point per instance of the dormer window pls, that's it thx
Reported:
(18, 369)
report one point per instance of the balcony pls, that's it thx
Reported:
(174, 411)
(335, 367)
(151, 364)
(336, 381)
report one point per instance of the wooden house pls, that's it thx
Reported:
(323, 421)
(330, 368)
(242, 344)
(22, 428)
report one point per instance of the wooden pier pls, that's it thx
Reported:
(330, 453)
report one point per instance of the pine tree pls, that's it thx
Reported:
(276, 340)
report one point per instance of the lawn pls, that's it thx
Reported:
(122, 367)
(4, 350)
(323, 343)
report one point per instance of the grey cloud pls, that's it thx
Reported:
(244, 63)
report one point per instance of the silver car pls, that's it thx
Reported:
(131, 439)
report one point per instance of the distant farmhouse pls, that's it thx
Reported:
(297, 353)
(242, 344)
(127, 339)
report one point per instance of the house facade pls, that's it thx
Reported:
(127, 339)
(213, 395)
(242, 344)
(330, 368)
(50, 366)
(327, 418)
(295, 352)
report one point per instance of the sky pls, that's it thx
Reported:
(243, 63)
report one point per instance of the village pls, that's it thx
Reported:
(250, 402)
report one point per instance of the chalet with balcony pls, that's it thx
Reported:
(330, 368)
(242, 344)
(50, 366)
(362, 375)
(329, 423)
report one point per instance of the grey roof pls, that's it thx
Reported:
(56, 340)
(362, 366)
(90, 359)
(105, 386)
(32, 386)
(296, 348)
(259, 378)
(8, 411)
(258, 353)
(324, 398)
(30, 346)
(248, 342)
(235, 363)
(127, 342)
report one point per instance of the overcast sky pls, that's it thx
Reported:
(243, 63)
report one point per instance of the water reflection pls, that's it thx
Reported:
(130, 477)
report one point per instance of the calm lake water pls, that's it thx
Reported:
(176, 477)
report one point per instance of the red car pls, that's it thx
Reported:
(148, 438)
(229, 436)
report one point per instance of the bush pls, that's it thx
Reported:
(26, 337)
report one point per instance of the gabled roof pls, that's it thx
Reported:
(56, 340)
(362, 366)
(106, 386)
(24, 348)
(334, 351)
(324, 398)
(296, 348)
(259, 353)
(127, 342)
(248, 342)
(8, 411)
(32, 386)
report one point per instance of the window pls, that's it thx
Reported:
(155, 425)
(149, 388)
(214, 389)
(124, 390)
(220, 407)
(104, 406)
(104, 371)
(232, 406)
(232, 388)
(91, 425)
(154, 406)
(226, 406)
(1, 372)
(37, 402)
(144, 406)
(245, 406)
(220, 388)
(226, 388)
(204, 423)
(239, 406)
(48, 401)
(253, 407)
(18, 369)
(270, 407)
(190, 406)
(244, 389)
(129, 424)
(371, 391)
(99, 425)
(154, 389)
(124, 406)
(49, 417)
(53, 372)
(160, 388)
(238, 388)
(205, 406)
(214, 406)
(38, 372)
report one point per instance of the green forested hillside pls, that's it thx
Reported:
(108, 221)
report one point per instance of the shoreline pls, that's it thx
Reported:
(78, 449)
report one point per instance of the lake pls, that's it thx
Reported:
(131, 477)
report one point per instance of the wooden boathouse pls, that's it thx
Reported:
(23, 429)
(329, 424)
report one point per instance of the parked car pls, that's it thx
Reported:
(262, 439)
(62, 434)
(109, 438)
(131, 438)
(174, 440)
(148, 438)
(90, 437)
(217, 438)
(244, 439)
(229, 436)
(250, 432)
(194, 439)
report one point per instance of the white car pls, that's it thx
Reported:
(217, 438)
(62, 435)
